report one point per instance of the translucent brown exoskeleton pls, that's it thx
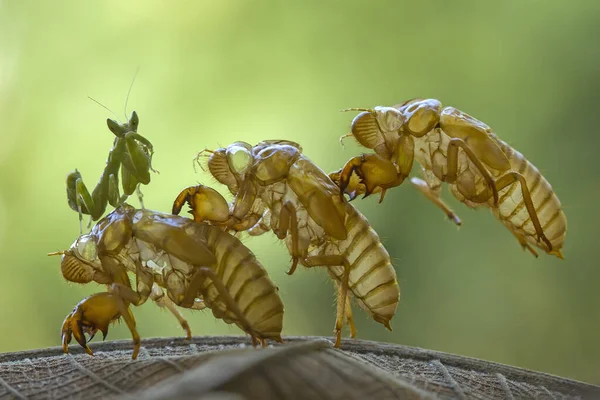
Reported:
(277, 188)
(453, 147)
(197, 264)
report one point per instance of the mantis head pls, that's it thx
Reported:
(121, 129)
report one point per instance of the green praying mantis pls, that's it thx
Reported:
(132, 154)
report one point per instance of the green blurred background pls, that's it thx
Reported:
(213, 72)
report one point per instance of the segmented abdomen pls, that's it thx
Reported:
(431, 153)
(372, 277)
(247, 282)
(511, 207)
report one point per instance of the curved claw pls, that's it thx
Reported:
(293, 267)
(90, 315)
(353, 188)
(367, 174)
(205, 203)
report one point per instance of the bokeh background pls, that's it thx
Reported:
(215, 72)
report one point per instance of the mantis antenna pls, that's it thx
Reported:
(129, 91)
(106, 108)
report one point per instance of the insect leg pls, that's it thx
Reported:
(374, 171)
(349, 316)
(196, 159)
(128, 182)
(114, 195)
(524, 243)
(140, 195)
(331, 261)
(502, 182)
(91, 314)
(161, 300)
(349, 134)
(209, 205)
(512, 177)
(424, 188)
(137, 160)
(205, 203)
(129, 295)
(141, 139)
(288, 220)
(130, 321)
(95, 313)
(78, 201)
(452, 173)
(262, 226)
(354, 187)
(83, 198)
(193, 290)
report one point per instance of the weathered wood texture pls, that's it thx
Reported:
(305, 367)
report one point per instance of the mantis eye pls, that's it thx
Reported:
(114, 127)
(134, 120)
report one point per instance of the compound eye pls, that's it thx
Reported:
(134, 119)
(86, 248)
(114, 127)
(239, 159)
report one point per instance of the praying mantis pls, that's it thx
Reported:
(133, 153)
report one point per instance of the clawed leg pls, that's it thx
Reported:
(374, 171)
(162, 300)
(288, 220)
(194, 289)
(80, 199)
(95, 313)
(209, 205)
(206, 204)
(377, 172)
(148, 148)
(354, 186)
(422, 186)
(138, 157)
(342, 301)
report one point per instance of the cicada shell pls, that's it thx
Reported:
(278, 188)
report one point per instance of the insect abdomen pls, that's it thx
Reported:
(372, 277)
(513, 212)
(248, 283)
